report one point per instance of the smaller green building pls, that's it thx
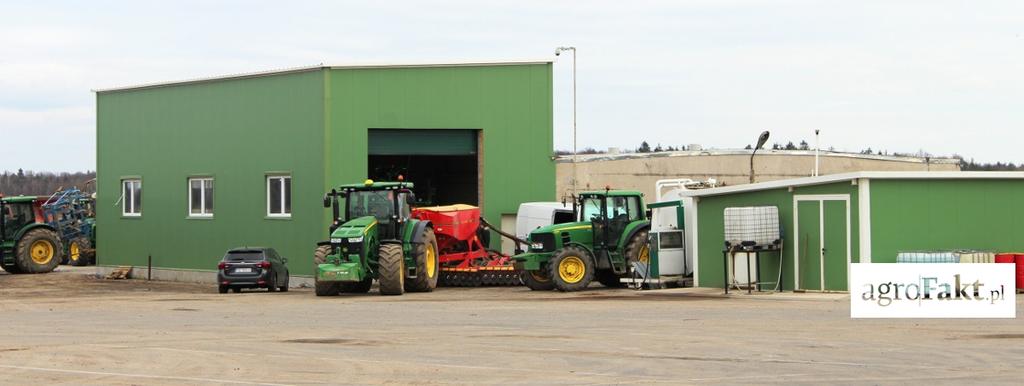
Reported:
(831, 221)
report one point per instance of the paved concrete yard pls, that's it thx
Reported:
(69, 328)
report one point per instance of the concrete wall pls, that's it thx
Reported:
(639, 172)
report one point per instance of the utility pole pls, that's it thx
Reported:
(558, 51)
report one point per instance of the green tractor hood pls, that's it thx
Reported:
(355, 228)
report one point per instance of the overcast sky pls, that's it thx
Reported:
(946, 77)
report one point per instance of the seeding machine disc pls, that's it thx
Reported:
(480, 276)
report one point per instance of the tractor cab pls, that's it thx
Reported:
(17, 213)
(609, 213)
(389, 203)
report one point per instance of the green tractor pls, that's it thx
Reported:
(27, 245)
(375, 237)
(609, 235)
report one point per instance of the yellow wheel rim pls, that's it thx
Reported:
(431, 262)
(74, 252)
(401, 274)
(571, 269)
(42, 252)
(645, 255)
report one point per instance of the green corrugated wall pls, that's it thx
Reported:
(711, 231)
(235, 131)
(511, 105)
(909, 215)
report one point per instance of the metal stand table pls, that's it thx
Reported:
(756, 250)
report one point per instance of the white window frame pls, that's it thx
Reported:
(202, 196)
(128, 208)
(279, 179)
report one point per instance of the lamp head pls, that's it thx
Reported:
(762, 140)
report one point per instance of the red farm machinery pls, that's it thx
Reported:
(462, 239)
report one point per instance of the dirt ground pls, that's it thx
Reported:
(69, 327)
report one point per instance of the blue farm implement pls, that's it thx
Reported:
(70, 212)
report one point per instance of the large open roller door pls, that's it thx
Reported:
(444, 164)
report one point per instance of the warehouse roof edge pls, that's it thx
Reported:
(290, 70)
(819, 180)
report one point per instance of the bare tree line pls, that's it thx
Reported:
(32, 183)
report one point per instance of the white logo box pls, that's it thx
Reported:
(925, 290)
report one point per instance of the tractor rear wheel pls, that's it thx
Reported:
(76, 252)
(392, 269)
(358, 287)
(325, 288)
(571, 269)
(537, 280)
(638, 250)
(427, 267)
(38, 251)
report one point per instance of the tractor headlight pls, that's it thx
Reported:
(354, 240)
(335, 241)
(538, 246)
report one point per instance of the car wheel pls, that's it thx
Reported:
(222, 289)
(236, 290)
(287, 280)
(272, 283)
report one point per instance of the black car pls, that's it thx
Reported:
(252, 267)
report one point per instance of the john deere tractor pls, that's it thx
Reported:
(609, 235)
(374, 237)
(27, 245)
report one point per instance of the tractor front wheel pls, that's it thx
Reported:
(537, 280)
(323, 288)
(571, 269)
(76, 252)
(358, 287)
(392, 269)
(427, 267)
(38, 251)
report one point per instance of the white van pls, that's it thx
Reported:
(533, 215)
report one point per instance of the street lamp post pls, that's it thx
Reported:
(558, 51)
(760, 142)
(817, 145)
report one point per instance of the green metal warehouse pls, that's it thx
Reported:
(831, 221)
(186, 170)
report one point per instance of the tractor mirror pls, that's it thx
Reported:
(410, 198)
(327, 200)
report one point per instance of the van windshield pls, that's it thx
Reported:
(244, 256)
